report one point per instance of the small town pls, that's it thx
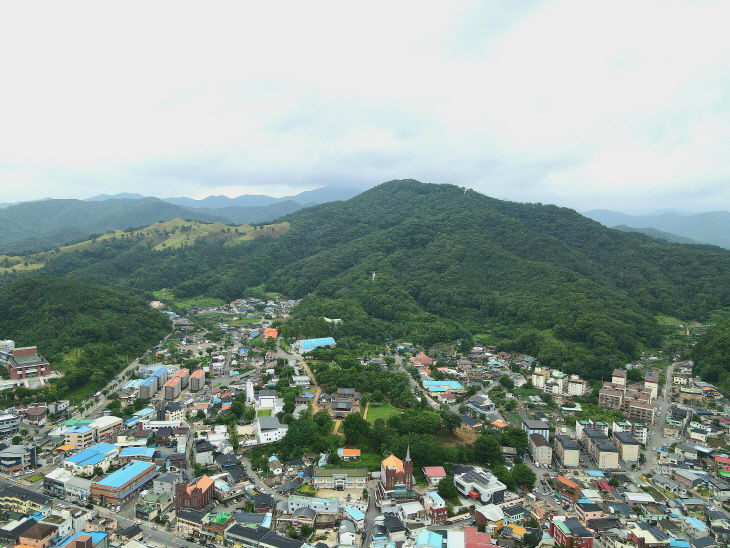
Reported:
(196, 443)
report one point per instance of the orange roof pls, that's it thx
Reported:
(173, 381)
(393, 462)
(499, 424)
(66, 447)
(182, 372)
(570, 483)
(197, 374)
(203, 482)
(270, 332)
(350, 452)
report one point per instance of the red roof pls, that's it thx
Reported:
(604, 485)
(434, 471)
(723, 460)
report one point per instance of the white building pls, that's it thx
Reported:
(269, 429)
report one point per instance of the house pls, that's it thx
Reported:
(588, 510)
(515, 514)
(490, 516)
(412, 511)
(275, 466)
(686, 479)
(348, 454)
(435, 507)
(346, 535)
(263, 503)
(434, 474)
(39, 535)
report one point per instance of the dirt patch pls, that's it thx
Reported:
(461, 436)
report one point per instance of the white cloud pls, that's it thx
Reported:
(619, 105)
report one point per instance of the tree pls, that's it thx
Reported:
(486, 450)
(355, 428)
(523, 475)
(17, 440)
(510, 405)
(507, 382)
(324, 421)
(451, 421)
(447, 489)
(333, 458)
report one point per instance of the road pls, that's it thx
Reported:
(657, 437)
(260, 485)
(370, 515)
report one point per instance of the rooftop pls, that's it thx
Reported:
(125, 474)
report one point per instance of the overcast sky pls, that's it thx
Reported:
(619, 105)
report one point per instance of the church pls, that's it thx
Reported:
(396, 481)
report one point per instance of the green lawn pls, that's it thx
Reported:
(513, 418)
(381, 412)
(264, 412)
(34, 478)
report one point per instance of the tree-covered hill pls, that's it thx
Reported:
(89, 331)
(38, 226)
(449, 263)
(712, 356)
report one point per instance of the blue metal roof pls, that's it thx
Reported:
(454, 385)
(93, 455)
(124, 474)
(355, 514)
(596, 473)
(137, 452)
(314, 343)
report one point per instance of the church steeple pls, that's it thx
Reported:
(408, 452)
(408, 469)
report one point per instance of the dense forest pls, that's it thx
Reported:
(712, 356)
(407, 260)
(88, 331)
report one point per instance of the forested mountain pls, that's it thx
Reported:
(43, 225)
(254, 214)
(659, 234)
(448, 264)
(90, 332)
(710, 228)
(712, 356)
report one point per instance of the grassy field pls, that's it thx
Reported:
(34, 478)
(382, 412)
(186, 303)
(264, 412)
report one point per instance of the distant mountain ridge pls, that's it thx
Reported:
(67, 221)
(659, 234)
(712, 227)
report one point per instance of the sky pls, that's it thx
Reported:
(616, 105)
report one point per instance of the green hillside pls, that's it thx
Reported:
(712, 356)
(39, 226)
(89, 332)
(448, 263)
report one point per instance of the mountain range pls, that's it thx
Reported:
(712, 227)
(412, 261)
(32, 227)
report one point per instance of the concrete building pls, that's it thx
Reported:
(24, 363)
(570, 532)
(479, 484)
(9, 424)
(106, 428)
(118, 486)
(269, 429)
(15, 458)
(628, 447)
(319, 505)
(536, 427)
(100, 455)
(79, 436)
(172, 388)
(618, 377)
(567, 450)
(540, 449)
(340, 478)
(197, 380)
